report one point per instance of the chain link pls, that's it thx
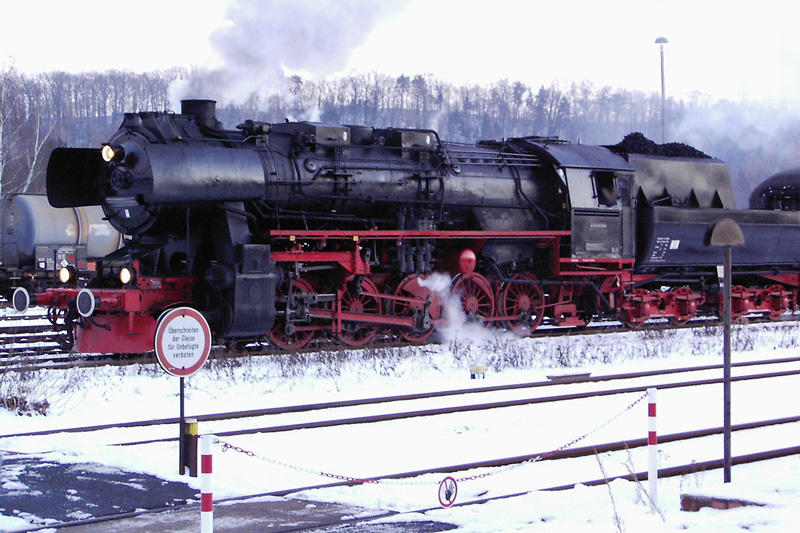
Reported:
(543, 456)
(228, 446)
(598, 428)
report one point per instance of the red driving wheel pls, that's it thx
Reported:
(477, 299)
(353, 333)
(410, 287)
(524, 301)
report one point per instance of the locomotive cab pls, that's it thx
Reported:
(601, 214)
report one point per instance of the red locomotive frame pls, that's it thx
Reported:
(125, 320)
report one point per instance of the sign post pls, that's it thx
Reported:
(182, 429)
(182, 343)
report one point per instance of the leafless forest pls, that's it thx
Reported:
(43, 111)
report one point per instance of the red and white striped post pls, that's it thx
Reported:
(206, 496)
(652, 441)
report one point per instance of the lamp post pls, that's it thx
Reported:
(726, 233)
(661, 41)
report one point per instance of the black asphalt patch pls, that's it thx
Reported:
(47, 493)
(43, 491)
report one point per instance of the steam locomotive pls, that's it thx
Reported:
(296, 231)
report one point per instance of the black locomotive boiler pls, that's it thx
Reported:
(295, 231)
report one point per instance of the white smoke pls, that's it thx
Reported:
(437, 282)
(456, 326)
(755, 139)
(262, 43)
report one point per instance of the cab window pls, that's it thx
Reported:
(605, 188)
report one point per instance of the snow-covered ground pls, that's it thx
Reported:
(114, 394)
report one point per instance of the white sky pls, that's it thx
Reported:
(726, 49)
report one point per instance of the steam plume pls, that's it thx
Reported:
(263, 41)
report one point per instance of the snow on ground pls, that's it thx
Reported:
(114, 394)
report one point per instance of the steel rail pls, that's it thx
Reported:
(640, 476)
(674, 471)
(437, 394)
(597, 328)
(25, 329)
(370, 419)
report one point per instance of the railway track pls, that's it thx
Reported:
(346, 522)
(24, 348)
(674, 471)
(469, 469)
(27, 337)
(433, 395)
(575, 453)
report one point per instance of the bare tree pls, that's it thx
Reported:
(10, 127)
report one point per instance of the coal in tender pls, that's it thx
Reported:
(637, 143)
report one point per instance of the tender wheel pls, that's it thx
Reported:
(737, 304)
(635, 308)
(477, 299)
(686, 306)
(278, 335)
(354, 333)
(779, 297)
(524, 301)
(630, 323)
(410, 287)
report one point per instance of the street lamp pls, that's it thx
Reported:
(661, 41)
(726, 233)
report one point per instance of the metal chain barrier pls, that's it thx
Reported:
(559, 449)
(228, 446)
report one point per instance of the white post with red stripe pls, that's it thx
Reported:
(206, 496)
(652, 441)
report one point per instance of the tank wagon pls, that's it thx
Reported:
(40, 244)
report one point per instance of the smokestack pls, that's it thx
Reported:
(204, 112)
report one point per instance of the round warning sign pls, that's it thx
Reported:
(448, 490)
(183, 341)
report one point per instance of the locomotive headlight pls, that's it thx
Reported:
(107, 152)
(66, 274)
(126, 275)
(112, 153)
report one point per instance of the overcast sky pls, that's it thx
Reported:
(725, 49)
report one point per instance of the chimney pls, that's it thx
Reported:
(203, 112)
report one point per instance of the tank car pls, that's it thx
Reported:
(40, 243)
(297, 231)
(780, 192)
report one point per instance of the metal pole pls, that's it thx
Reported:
(726, 233)
(652, 441)
(727, 365)
(190, 447)
(181, 458)
(663, 101)
(206, 494)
